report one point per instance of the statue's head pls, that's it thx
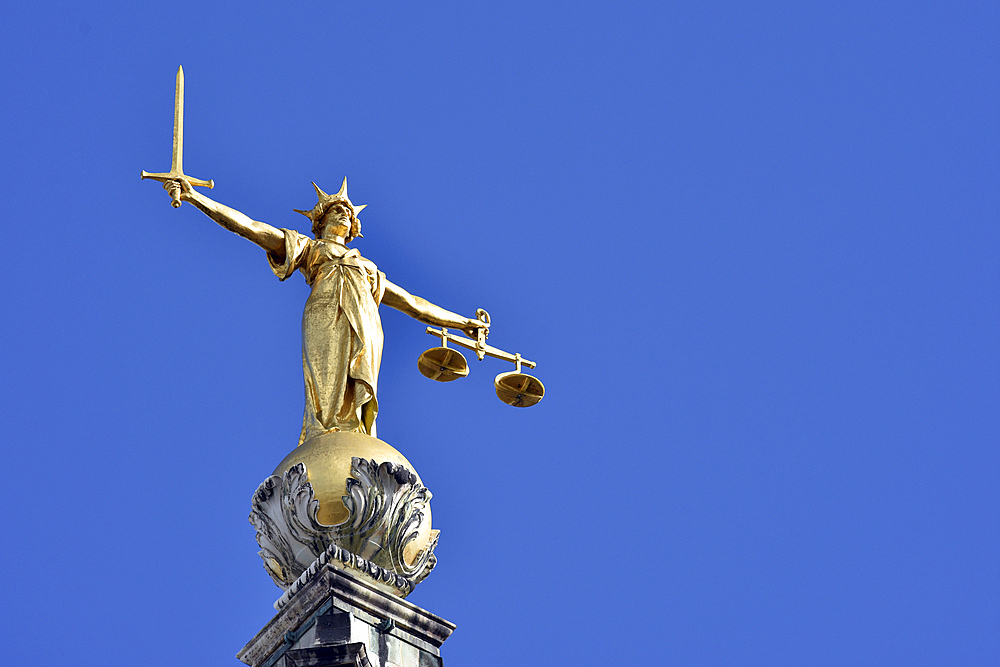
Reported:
(328, 202)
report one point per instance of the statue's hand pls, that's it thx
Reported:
(482, 321)
(471, 328)
(179, 189)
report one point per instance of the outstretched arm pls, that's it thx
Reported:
(267, 237)
(426, 312)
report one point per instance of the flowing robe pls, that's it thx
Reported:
(341, 333)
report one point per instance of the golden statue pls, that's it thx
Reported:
(343, 498)
(341, 328)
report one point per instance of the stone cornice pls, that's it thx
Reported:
(409, 620)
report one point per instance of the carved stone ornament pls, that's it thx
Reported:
(386, 507)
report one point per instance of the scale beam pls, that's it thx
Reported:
(481, 349)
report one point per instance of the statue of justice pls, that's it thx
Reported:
(363, 499)
(341, 329)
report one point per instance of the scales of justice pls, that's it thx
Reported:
(344, 521)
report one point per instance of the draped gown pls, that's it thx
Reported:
(341, 334)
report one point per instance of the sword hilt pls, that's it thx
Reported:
(175, 192)
(175, 195)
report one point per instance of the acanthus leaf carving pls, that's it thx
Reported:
(386, 508)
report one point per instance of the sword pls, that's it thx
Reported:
(177, 164)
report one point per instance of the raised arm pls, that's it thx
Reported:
(267, 237)
(426, 312)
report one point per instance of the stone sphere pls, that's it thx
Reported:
(327, 459)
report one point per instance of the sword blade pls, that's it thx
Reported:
(177, 166)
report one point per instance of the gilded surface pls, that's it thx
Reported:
(177, 163)
(341, 328)
(328, 462)
(341, 334)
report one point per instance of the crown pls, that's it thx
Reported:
(317, 212)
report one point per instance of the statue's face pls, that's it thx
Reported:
(336, 221)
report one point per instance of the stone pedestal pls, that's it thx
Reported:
(338, 619)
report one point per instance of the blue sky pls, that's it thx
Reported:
(752, 246)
